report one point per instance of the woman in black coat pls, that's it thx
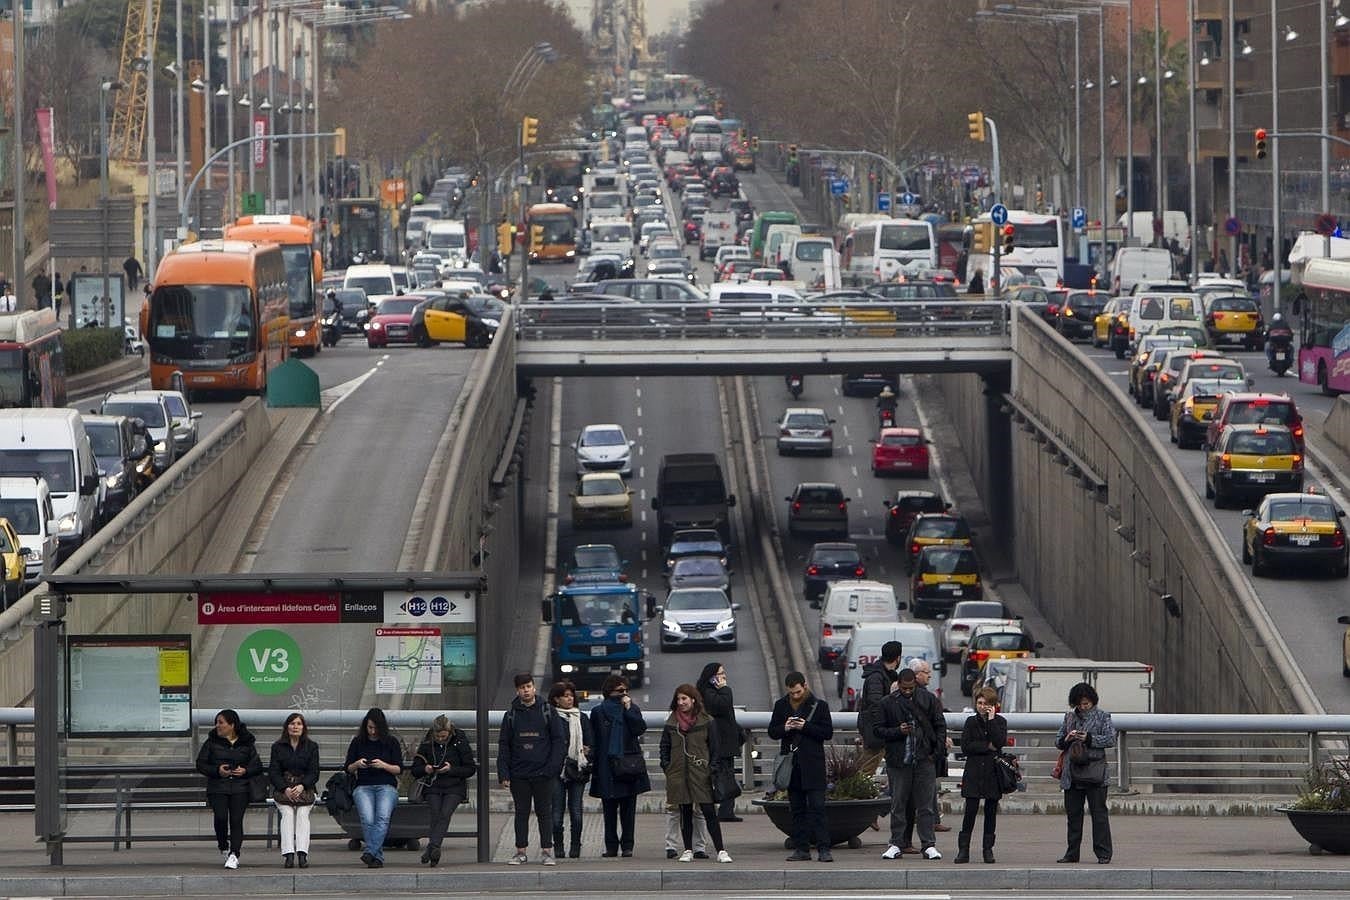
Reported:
(617, 725)
(293, 769)
(445, 757)
(228, 759)
(982, 740)
(719, 703)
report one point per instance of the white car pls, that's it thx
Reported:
(637, 96)
(604, 448)
(965, 616)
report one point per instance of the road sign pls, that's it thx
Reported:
(838, 186)
(907, 198)
(428, 607)
(1232, 227)
(1079, 217)
(883, 202)
(998, 214)
(252, 203)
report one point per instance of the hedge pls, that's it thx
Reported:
(89, 348)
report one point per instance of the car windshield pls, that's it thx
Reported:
(1231, 371)
(1232, 304)
(597, 609)
(809, 251)
(978, 609)
(1002, 640)
(1260, 412)
(602, 437)
(22, 514)
(664, 251)
(104, 438)
(900, 440)
(698, 565)
(601, 487)
(1253, 443)
(940, 527)
(820, 495)
(697, 599)
(152, 414)
(1036, 236)
(57, 466)
(1290, 510)
(595, 558)
(919, 504)
(1206, 387)
(944, 561)
(397, 306)
(835, 556)
(806, 420)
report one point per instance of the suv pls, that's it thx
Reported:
(820, 507)
(153, 409)
(698, 615)
(115, 445)
(1250, 408)
(1000, 640)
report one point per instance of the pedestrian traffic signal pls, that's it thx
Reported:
(754, 144)
(536, 236)
(975, 122)
(1008, 238)
(529, 131)
(1261, 145)
(740, 135)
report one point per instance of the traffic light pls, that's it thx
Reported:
(740, 135)
(1008, 239)
(536, 236)
(529, 131)
(1261, 146)
(504, 233)
(754, 144)
(339, 141)
(980, 237)
(792, 151)
(975, 122)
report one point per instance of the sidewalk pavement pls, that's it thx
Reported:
(1150, 853)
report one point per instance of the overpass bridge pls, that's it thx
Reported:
(591, 337)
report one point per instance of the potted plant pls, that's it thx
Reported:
(853, 799)
(1321, 812)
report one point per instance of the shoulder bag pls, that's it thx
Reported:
(627, 767)
(1009, 773)
(782, 767)
(417, 791)
(306, 795)
(724, 784)
(576, 770)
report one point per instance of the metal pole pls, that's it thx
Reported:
(244, 141)
(1159, 199)
(248, 66)
(230, 81)
(1129, 126)
(1230, 39)
(1275, 158)
(180, 114)
(1326, 129)
(273, 25)
(1191, 137)
(208, 98)
(304, 126)
(290, 117)
(314, 74)
(523, 187)
(103, 87)
(1077, 114)
(151, 147)
(1101, 137)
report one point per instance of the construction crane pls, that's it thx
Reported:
(126, 139)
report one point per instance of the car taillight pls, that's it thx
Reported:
(852, 696)
(1226, 461)
(568, 580)
(1051, 309)
(826, 630)
(829, 432)
(979, 656)
(959, 627)
(1268, 537)
(895, 512)
(1298, 460)
(859, 571)
(1298, 431)
(1338, 539)
(1211, 318)
(914, 549)
(813, 570)
(1165, 377)
(842, 506)
(797, 506)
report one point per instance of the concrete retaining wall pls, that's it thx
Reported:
(1337, 426)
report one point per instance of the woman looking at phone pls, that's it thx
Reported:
(1084, 738)
(444, 760)
(982, 739)
(376, 759)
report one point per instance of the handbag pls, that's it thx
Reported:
(257, 789)
(1009, 773)
(306, 795)
(724, 784)
(576, 770)
(417, 792)
(1088, 770)
(337, 795)
(627, 767)
(782, 770)
(1057, 770)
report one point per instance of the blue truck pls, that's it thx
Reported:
(597, 631)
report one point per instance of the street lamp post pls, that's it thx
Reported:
(1159, 197)
(151, 146)
(105, 85)
(1275, 157)
(273, 25)
(1192, 147)
(179, 102)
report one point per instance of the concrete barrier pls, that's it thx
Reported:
(1097, 563)
(1337, 426)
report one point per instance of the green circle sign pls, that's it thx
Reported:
(268, 661)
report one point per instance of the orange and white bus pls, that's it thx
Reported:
(218, 315)
(558, 232)
(304, 271)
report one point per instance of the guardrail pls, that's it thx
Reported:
(1155, 753)
(620, 319)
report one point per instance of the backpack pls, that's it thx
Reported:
(337, 794)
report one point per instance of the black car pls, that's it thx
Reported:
(355, 309)
(908, 505)
(744, 210)
(1078, 313)
(830, 561)
(868, 384)
(724, 183)
(117, 449)
(913, 290)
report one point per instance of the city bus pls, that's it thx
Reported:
(304, 271)
(559, 242)
(359, 233)
(218, 315)
(1038, 247)
(1322, 310)
(32, 362)
(880, 249)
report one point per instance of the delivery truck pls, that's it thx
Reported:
(1042, 685)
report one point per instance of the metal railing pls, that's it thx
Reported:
(621, 319)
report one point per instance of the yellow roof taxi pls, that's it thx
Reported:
(602, 498)
(1111, 326)
(1296, 532)
(1252, 459)
(1191, 414)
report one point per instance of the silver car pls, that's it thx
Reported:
(700, 571)
(602, 448)
(805, 429)
(696, 616)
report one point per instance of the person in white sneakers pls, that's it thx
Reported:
(228, 759)
(913, 727)
(688, 752)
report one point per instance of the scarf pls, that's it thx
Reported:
(685, 721)
(573, 719)
(613, 710)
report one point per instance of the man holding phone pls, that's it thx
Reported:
(802, 724)
(915, 731)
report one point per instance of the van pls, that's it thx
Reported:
(1175, 225)
(377, 279)
(52, 444)
(813, 261)
(848, 604)
(776, 238)
(762, 224)
(1149, 311)
(1043, 685)
(691, 493)
(448, 239)
(1135, 264)
(917, 641)
(719, 230)
(27, 503)
(879, 250)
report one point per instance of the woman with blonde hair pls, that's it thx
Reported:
(444, 761)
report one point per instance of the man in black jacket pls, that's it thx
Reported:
(802, 725)
(914, 729)
(530, 752)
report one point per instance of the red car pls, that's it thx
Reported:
(900, 451)
(392, 322)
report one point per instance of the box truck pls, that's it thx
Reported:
(1042, 685)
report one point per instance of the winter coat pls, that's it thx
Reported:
(603, 784)
(809, 758)
(458, 752)
(877, 681)
(301, 761)
(217, 752)
(1101, 734)
(532, 742)
(688, 760)
(385, 748)
(926, 741)
(981, 741)
(719, 704)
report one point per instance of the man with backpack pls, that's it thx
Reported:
(531, 747)
(915, 732)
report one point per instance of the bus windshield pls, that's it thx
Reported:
(1034, 236)
(905, 237)
(202, 322)
(299, 278)
(558, 227)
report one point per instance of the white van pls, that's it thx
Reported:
(1134, 264)
(52, 444)
(449, 239)
(776, 239)
(1175, 225)
(848, 604)
(377, 279)
(27, 503)
(917, 641)
(808, 261)
(876, 251)
(612, 236)
(1151, 310)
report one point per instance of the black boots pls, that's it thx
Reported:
(574, 848)
(962, 848)
(304, 859)
(989, 848)
(289, 860)
(558, 841)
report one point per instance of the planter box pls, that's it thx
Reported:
(1327, 831)
(845, 819)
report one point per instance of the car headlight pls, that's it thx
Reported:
(67, 523)
(567, 668)
(376, 326)
(114, 480)
(143, 466)
(300, 332)
(492, 323)
(672, 627)
(161, 446)
(726, 623)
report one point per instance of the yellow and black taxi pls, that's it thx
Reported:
(1234, 319)
(935, 529)
(1298, 532)
(1193, 410)
(1111, 326)
(602, 498)
(1252, 460)
(15, 560)
(994, 640)
(1146, 359)
(449, 318)
(944, 576)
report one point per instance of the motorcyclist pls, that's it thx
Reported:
(1278, 334)
(789, 378)
(886, 402)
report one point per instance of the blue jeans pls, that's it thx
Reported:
(375, 804)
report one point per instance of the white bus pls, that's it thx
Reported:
(877, 251)
(1038, 247)
(705, 135)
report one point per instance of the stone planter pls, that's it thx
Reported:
(1324, 830)
(845, 819)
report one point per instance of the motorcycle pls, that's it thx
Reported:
(795, 386)
(887, 417)
(1280, 356)
(332, 329)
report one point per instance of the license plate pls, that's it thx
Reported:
(598, 650)
(1304, 540)
(1261, 476)
(203, 379)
